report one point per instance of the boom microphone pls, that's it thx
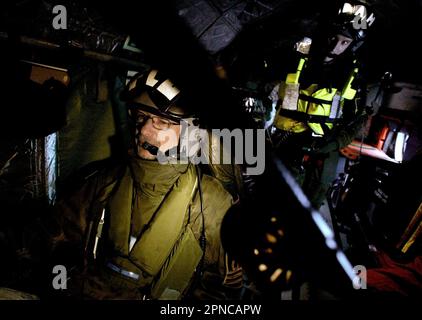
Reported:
(150, 148)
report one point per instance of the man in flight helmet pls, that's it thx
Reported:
(155, 105)
(318, 110)
(148, 229)
(346, 33)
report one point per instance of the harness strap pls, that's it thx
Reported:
(314, 100)
(304, 117)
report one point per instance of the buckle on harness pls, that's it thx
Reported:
(317, 135)
(123, 272)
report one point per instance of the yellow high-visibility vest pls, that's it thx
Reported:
(311, 108)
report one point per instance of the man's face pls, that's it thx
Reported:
(155, 130)
(337, 45)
